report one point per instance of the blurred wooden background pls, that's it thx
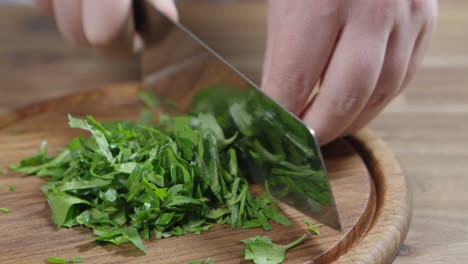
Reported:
(427, 126)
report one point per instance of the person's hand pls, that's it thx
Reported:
(361, 52)
(102, 24)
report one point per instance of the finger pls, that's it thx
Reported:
(397, 57)
(420, 49)
(293, 62)
(422, 16)
(107, 25)
(348, 82)
(69, 21)
(46, 6)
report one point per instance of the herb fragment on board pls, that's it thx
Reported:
(12, 188)
(312, 228)
(4, 210)
(55, 260)
(76, 260)
(261, 250)
(149, 98)
(3, 171)
(208, 260)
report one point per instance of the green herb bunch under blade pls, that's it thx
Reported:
(129, 181)
(272, 146)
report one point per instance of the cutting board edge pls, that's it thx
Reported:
(393, 214)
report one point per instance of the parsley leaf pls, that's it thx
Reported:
(121, 235)
(99, 134)
(61, 205)
(12, 188)
(4, 210)
(261, 250)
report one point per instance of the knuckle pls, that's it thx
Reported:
(388, 5)
(426, 8)
(362, 65)
(291, 88)
(383, 13)
(347, 103)
(418, 4)
(321, 9)
(379, 98)
(394, 66)
(329, 8)
(292, 82)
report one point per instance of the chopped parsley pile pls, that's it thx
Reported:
(129, 181)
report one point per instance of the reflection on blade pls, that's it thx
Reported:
(275, 147)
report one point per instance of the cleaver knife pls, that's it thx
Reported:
(181, 69)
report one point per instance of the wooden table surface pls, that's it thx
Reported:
(427, 127)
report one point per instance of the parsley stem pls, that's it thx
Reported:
(297, 242)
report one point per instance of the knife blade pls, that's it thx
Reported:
(294, 166)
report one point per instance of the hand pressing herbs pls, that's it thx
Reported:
(261, 250)
(130, 181)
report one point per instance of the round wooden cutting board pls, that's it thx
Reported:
(370, 190)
